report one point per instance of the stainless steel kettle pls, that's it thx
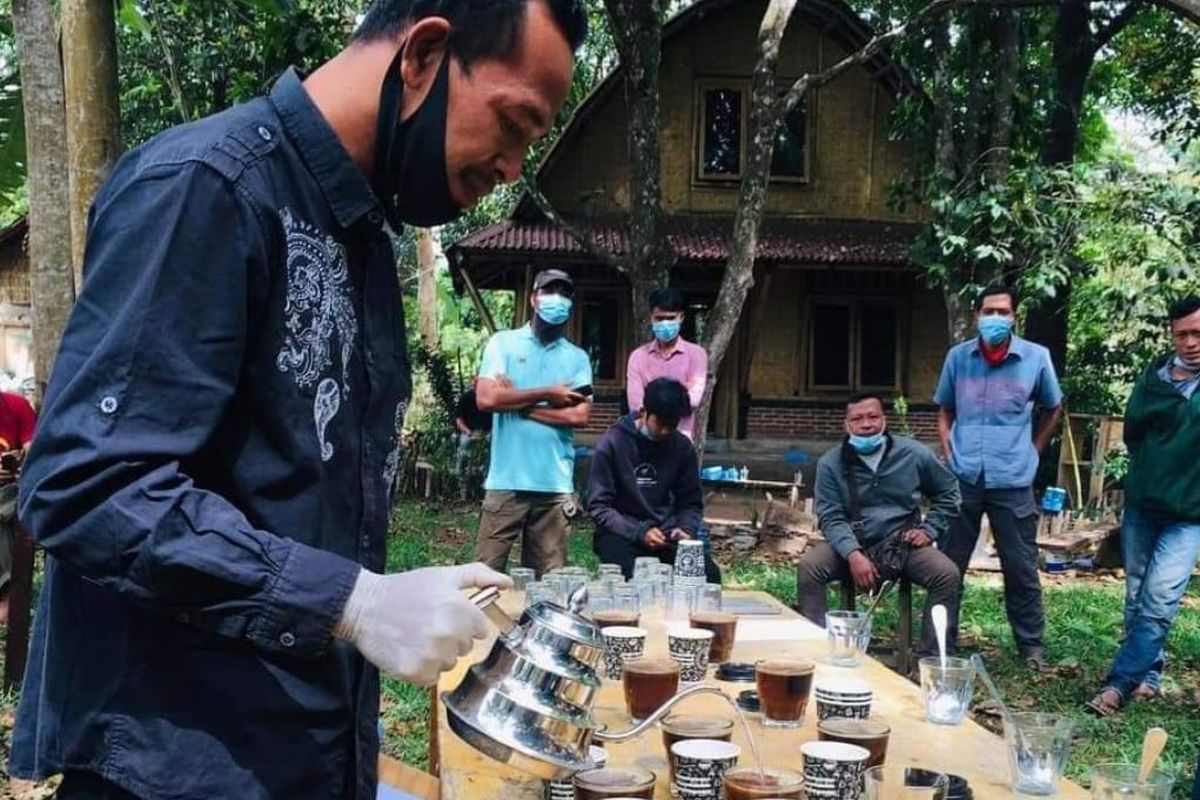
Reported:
(529, 703)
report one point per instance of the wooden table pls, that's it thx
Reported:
(968, 750)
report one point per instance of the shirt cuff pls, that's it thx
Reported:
(305, 602)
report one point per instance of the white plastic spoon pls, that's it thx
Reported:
(1152, 747)
(938, 615)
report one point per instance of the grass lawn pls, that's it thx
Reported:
(1083, 626)
(1083, 620)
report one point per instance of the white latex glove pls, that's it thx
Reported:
(415, 625)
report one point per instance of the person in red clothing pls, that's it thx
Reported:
(17, 421)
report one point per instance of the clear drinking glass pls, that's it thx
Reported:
(709, 598)
(681, 602)
(947, 689)
(643, 567)
(600, 597)
(625, 598)
(561, 584)
(1038, 746)
(849, 634)
(522, 577)
(610, 571)
(539, 593)
(1120, 782)
(895, 782)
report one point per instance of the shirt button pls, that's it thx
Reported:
(264, 132)
(108, 404)
(287, 639)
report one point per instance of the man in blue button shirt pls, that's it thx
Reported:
(538, 385)
(212, 473)
(988, 390)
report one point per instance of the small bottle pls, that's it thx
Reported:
(745, 473)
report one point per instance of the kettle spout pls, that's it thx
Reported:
(660, 712)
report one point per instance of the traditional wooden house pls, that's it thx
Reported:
(836, 308)
(16, 339)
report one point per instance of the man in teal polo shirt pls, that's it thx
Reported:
(537, 384)
(989, 388)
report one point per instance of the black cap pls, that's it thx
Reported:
(549, 276)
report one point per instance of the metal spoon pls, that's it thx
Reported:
(981, 671)
(883, 589)
(938, 615)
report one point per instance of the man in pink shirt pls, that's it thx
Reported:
(667, 355)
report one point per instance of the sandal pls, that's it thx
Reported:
(1106, 703)
(1143, 692)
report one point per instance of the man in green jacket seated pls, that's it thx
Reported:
(868, 495)
(1160, 529)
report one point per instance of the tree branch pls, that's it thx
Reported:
(1115, 25)
(585, 238)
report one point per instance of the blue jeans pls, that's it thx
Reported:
(1159, 559)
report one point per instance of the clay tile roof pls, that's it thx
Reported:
(700, 239)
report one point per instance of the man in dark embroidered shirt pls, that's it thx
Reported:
(211, 474)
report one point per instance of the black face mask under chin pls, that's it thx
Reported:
(410, 157)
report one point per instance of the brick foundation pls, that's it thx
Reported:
(604, 414)
(814, 421)
(794, 421)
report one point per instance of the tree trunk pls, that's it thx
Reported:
(976, 109)
(89, 52)
(637, 30)
(943, 90)
(1006, 38)
(427, 294)
(51, 284)
(766, 110)
(1075, 48)
(945, 172)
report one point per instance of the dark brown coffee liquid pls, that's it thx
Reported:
(610, 619)
(724, 628)
(783, 688)
(600, 784)
(750, 786)
(649, 684)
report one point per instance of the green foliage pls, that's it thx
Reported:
(183, 59)
(982, 234)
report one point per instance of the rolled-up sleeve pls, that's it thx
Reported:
(147, 370)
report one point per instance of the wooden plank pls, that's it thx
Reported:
(968, 750)
(20, 605)
(410, 780)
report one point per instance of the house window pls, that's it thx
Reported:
(600, 335)
(790, 158)
(722, 122)
(853, 345)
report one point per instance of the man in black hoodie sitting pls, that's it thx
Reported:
(644, 490)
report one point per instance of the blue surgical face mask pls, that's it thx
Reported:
(865, 445)
(645, 432)
(994, 329)
(553, 308)
(666, 330)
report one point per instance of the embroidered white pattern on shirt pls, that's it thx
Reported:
(392, 465)
(321, 324)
